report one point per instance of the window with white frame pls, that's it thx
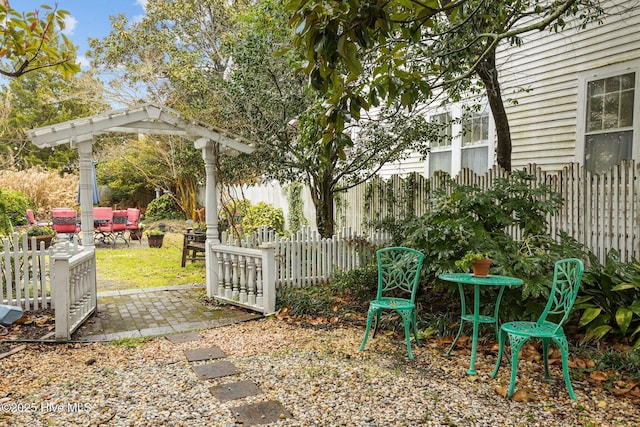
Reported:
(475, 142)
(609, 120)
(463, 141)
(440, 154)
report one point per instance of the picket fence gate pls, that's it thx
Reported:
(61, 277)
(26, 279)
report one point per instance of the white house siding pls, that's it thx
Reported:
(544, 122)
(413, 163)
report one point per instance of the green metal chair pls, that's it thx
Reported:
(398, 275)
(566, 282)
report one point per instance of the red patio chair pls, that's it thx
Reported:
(65, 222)
(133, 217)
(31, 218)
(119, 226)
(102, 223)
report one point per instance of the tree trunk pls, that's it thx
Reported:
(489, 75)
(322, 197)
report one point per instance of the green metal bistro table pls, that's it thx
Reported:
(476, 318)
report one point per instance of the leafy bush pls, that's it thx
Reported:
(467, 218)
(164, 207)
(610, 299)
(16, 204)
(346, 292)
(263, 215)
(5, 224)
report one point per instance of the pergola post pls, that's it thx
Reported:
(211, 200)
(85, 151)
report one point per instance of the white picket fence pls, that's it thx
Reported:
(249, 271)
(25, 273)
(62, 277)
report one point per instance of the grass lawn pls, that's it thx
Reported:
(139, 266)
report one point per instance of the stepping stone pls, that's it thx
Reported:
(237, 390)
(260, 413)
(204, 354)
(214, 370)
(186, 337)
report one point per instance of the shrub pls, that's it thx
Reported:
(346, 292)
(164, 207)
(263, 215)
(467, 218)
(16, 204)
(5, 224)
(610, 299)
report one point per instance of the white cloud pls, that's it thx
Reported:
(69, 25)
(82, 61)
(142, 3)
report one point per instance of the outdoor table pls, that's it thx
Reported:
(476, 318)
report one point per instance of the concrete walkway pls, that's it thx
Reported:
(156, 311)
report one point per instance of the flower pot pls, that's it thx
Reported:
(481, 267)
(45, 239)
(155, 241)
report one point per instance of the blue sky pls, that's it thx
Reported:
(89, 18)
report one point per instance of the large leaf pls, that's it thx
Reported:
(623, 318)
(598, 332)
(589, 315)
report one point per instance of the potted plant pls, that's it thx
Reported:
(155, 237)
(42, 233)
(478, 262)
(137, 233)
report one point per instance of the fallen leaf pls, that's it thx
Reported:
(598, 376)
(621, 391)
(602, 404)
(523, 395)
(501, 390)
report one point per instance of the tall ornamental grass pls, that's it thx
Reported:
(45, 189)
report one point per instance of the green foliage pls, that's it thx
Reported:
(469, 258)
(34, 40)
(610, 299)
(466, 218)
(263, 215)
(296, 217)
(40, 230)
(16, 205)
(164, 207)
(44, 98)
(410, 47)
(345, 293)
(5, 224)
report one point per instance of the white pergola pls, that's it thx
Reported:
(143, 119)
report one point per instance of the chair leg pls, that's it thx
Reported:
(370, 315)
(375, 328)
(414, 322)
(516, 344)
(455, 340)
(545, 355)
(501, 337)
(406, 319)
(564, 349)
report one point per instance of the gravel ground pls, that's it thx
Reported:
(315, 372)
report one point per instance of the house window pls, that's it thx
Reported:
(609, 120)
(440, 155)
(475, 143)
